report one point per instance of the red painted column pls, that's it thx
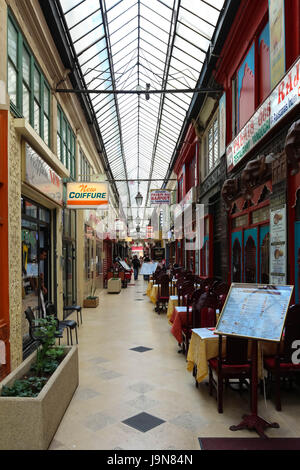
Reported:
(4, 284)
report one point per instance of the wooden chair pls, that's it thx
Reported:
(201, 313)
(235, 365)
(282, 365)
(163, 293)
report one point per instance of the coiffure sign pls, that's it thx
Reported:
(284, 97)
(87, 195)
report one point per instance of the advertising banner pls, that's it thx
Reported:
(159, 196)
(40, 175)
(284, 97)
(278, 249)
(87, 195)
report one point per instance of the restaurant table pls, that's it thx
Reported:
(204, 345)
(154, 293)
(173, 302)
(149, 287)
(179, 320)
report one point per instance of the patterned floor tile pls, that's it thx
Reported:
(143, 422)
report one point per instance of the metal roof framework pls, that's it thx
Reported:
(135, 45)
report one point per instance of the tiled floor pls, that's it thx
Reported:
(135, 391)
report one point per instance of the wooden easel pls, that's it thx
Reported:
(253, 421)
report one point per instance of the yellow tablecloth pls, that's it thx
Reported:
(173, 302)
(149, 287)
(201, 350)
(154, 293)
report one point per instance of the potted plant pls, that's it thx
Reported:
(92, 300)
(35, 396)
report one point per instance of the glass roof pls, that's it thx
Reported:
(125, 44)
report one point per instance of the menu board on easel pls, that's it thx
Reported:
(255, 311)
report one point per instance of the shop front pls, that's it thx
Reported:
(41, 205)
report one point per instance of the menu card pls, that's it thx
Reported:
(255, 311)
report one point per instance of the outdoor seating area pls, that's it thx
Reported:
(193, 306)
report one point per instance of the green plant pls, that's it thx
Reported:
(93, 291)
(29, 387)
(45, 333)
(47, 360)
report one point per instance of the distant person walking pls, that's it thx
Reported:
(136, 265)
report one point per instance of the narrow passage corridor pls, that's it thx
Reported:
(117, 383)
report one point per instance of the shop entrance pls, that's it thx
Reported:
(69, 257)
(36, 258)
(250, 246)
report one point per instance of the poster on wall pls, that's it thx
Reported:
(278, 248)
(277, 40)
(222, 124)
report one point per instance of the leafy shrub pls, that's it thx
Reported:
(47, 360)
(30, 387)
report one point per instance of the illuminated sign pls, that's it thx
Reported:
(87, 195)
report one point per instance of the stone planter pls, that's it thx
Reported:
(91, 303)
(30, 423)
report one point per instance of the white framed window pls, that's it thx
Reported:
(211, 145)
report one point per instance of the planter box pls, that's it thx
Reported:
(30, 423)
(91, 303)
(114, 286)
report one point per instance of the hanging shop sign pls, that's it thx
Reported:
(278, 248)
(159, 196)
(149, 231)
(284, 97)
(87, 195)
(40, 175)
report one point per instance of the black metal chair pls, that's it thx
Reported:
(49, 309)
(30, 316)
(69, 309)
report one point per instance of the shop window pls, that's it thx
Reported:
(250, 261)
(30, 209)
(236, 262)
(66, 150)
(211, 142)
(86, 169)
(27, 87)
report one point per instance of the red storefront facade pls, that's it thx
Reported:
(187, 171)
(262, 180)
